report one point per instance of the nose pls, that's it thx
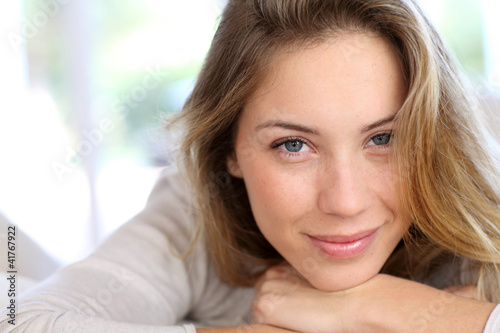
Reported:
(344, 191)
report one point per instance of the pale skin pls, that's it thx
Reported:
(312, 146)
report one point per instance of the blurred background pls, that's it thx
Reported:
(85, 83)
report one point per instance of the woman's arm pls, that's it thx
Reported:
(245, 329)
(137, 281)
(382, 304)
(131, 281)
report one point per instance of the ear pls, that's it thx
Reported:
(233, 166)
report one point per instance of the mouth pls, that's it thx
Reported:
(344, 246)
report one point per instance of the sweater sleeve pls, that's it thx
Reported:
(136, 281)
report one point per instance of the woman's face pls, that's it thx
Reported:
(312, 147)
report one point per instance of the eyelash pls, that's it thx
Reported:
(279, 143)
(384, 146)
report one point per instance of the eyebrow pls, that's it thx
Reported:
(378, 124)
(300, 128)
(285, 125)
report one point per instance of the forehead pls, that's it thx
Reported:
(353, 71)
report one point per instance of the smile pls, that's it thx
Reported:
(344, 246)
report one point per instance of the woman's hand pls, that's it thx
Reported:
(285, 299)
(382, 304)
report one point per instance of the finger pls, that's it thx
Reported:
(285, 271)
(282, 269)
(265, 305)
(277, 272)
(452, 289)
(273, 273)
(469, 291)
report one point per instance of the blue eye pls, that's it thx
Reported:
(381, 139)
(293, 146)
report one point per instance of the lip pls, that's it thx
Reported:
(344, 246)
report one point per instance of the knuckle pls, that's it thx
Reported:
(274, 272)
(268, 285)
(266, 304)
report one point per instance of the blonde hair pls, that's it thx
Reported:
(447, 178)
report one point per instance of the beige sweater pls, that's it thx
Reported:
(135, 282)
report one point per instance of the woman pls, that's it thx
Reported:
(329, 144)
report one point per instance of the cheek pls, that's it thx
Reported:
(273, 195)
(384, 185)
(278, 199)
(385, 188)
